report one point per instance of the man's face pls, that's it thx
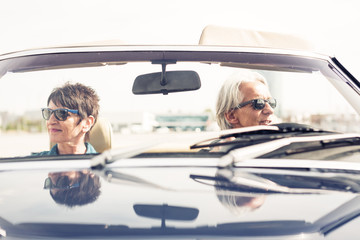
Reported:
(247, 115)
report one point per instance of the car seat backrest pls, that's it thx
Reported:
(100, 136)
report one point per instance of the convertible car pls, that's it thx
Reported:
(164, 169)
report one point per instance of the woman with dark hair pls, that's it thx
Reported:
(73, 188)
(71, 113)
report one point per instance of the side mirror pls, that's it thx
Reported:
(166, 82)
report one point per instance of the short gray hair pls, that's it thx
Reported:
(230, 95)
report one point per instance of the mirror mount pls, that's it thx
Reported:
(163, 80)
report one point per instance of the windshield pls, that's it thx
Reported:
(175, 120)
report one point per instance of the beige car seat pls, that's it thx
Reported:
(100, 135)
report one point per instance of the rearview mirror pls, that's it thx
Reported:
(166, 82)
(166, 212)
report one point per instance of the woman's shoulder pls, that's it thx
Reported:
(44, 153)
(89, 148)
(53, 151)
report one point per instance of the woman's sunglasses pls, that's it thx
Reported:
(259, 104)
(61, 184)
(60, 114)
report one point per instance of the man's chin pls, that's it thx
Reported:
(268, 122)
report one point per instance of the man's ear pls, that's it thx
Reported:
(89, 122)
(231, 118)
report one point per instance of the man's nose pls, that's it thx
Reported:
(268, 110)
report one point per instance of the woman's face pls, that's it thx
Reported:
(68, 131)
(247, 115)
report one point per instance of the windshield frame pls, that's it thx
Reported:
(272, 59)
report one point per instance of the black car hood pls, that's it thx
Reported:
(158, 200)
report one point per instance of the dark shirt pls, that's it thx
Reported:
(54, 151)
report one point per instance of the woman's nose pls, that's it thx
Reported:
(52, 118)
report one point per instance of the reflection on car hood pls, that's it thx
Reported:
(138, 200)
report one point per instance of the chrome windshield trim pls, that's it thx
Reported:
(180, 162)
(170, 48)
(165, 162)
(41, 164)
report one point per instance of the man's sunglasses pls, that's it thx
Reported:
(259, 104)
(48, 184)
(60, 114)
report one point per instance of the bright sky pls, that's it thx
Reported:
(330, 24)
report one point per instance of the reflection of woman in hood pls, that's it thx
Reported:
(238, 202)
(73, 188)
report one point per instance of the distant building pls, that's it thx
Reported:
(33, 115)
(182, 122)
(131, 121)
(148, 122)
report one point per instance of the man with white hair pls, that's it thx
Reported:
(244, 100)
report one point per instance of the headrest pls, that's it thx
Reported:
(100, 136)
(226, 36)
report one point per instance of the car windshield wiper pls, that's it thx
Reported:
(109, 156)
(260, 150)
(303, 147)
(246, 136)
(123, 178)
(280, 181)
(244, 182)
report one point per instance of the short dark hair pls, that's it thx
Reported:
(87, 192)
(78, 97)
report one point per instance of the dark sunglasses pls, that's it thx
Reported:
(259, 104)
(48, 184)
(60, 114)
